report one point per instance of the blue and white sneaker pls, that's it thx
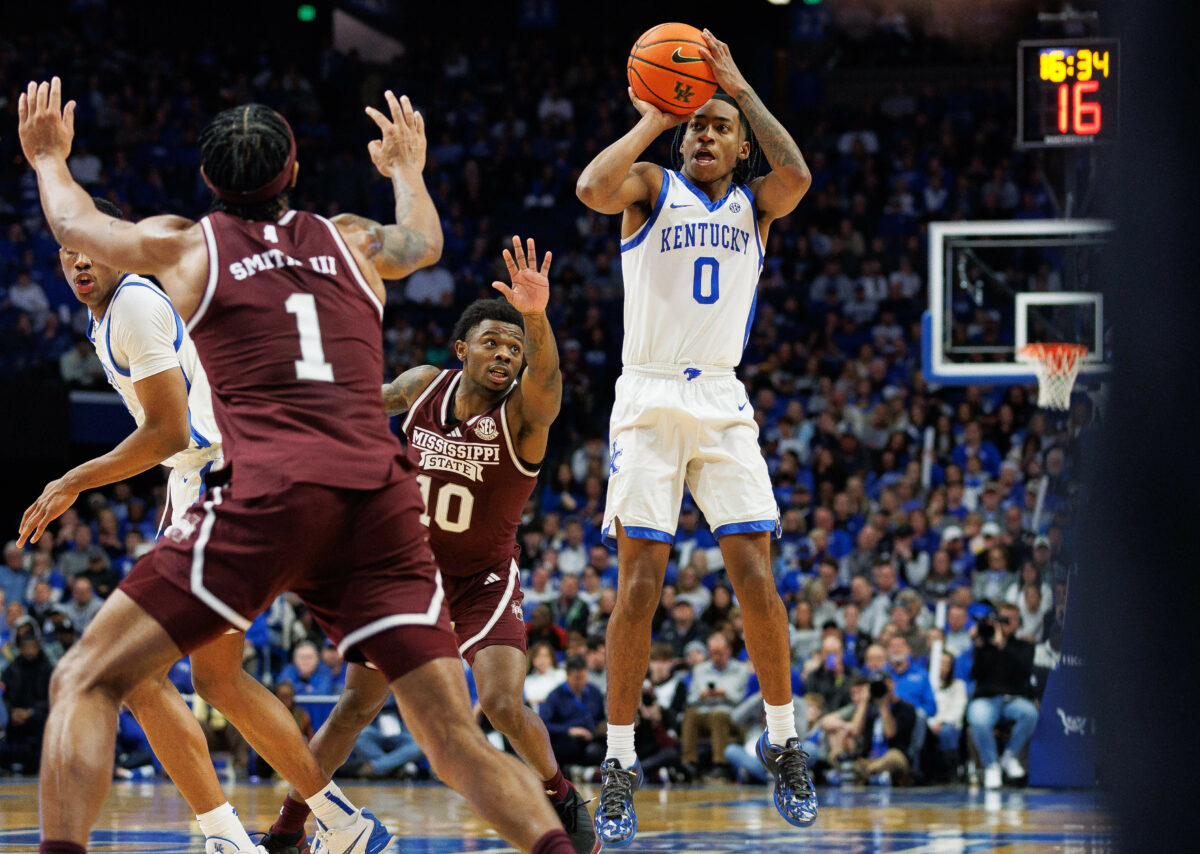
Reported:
(794, 795)
(365, 835)
(616, 821)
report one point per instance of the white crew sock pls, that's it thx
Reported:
(223, 823)
(781, 723)
(331, 808)
(620, 745)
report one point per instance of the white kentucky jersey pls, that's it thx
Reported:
(141, 335)
(691, 277)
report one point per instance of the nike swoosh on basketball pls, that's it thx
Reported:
(678, 57)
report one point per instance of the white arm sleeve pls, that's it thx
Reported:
(142, 332)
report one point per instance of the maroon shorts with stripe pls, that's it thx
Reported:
(360, 560)
(486, 609)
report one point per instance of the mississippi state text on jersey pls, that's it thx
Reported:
(691, 277)
(474, 484)
(291, 341)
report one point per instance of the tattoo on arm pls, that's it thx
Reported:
(399, 394)
(389, 246)
(777, 144)
(541, 359)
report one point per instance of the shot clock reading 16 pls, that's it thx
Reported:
(1069, 92)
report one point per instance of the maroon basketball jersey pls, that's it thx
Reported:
(473, 483)
(289, 333)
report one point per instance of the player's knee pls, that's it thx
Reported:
(638, 594)
(75, 674)
(353, 712)
(506, 713)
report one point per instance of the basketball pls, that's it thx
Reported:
(666, 70)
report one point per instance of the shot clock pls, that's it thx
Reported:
(1067, 92)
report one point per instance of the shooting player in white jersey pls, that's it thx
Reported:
(692, 251)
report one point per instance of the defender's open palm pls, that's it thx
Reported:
(530, 291)
(403, 142)
(44, 126)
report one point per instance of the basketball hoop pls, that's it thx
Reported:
(1056, 366)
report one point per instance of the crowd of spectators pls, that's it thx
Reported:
(888, 554)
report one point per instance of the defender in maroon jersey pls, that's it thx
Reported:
(285, 313)
(477, 437)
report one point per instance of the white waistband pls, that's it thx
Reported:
(686, 371)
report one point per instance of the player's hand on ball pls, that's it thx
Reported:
(530, 291)
(52, 503)
(720, 60)
(653, 113)
(403, 142)
(45, 128)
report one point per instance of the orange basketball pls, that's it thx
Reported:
(666, 70)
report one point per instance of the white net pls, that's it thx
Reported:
(1056, 366)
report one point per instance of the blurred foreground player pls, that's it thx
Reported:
(692, 251)
(477, 436)
(284, 308)
(152, 364)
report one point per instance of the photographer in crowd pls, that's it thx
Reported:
(1002, 673)
(884, 724)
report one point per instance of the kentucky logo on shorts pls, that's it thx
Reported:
(486, 428)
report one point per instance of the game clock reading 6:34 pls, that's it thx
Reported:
(1068, 92)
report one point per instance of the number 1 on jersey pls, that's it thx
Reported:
(311, 365)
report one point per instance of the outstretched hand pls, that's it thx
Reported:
(720, 60)
(45, 128)
(403, 143)
(530, 291)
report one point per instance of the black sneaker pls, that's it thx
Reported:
(794, 795)
(284, 843)
(577, 822)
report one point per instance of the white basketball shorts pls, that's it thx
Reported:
(676, 424)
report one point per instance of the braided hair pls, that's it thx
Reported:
(744, 171)
(482, 310)
(242, 149)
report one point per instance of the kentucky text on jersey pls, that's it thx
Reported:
(463, 458)
(273, 259)
(701, 234)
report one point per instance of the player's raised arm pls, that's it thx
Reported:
(415, 241)
(154, 245)
(400, 393)
(539, 396)
(613, 181)
(777, 193)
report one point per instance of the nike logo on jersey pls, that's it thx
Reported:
(491, 579)
(743, 406)
(674, 206)
(680, 58)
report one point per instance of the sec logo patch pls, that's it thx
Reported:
(486, 429)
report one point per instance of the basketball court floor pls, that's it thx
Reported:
(151, 818)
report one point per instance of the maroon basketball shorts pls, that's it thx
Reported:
(359, 559)
(486, 609)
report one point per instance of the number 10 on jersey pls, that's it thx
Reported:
(441, 505)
